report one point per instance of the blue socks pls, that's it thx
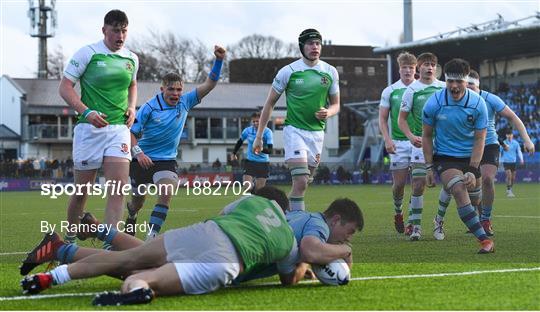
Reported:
(158, 216)
(469, 216)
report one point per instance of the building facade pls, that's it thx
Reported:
(35, 113)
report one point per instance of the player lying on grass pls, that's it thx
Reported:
(197, 259)
(321, 237)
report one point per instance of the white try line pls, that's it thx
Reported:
(524, 217)
(183, 210)
(47, 296)
(13, 253)
(367, 278)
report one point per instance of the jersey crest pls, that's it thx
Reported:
(325, 81)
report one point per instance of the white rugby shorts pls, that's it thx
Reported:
(204, 257)
(405, 155)
(301, 143)
(401, 159)
(417, 156)
(91, 144)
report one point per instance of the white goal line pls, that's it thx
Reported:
(367, 278)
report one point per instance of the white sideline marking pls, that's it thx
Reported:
(526, 217)
(13, 253)
(367, 278)
(445, 274)
(46, 296)
(184, 210)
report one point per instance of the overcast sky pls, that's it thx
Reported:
(376, 23)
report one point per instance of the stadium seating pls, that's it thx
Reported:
(523, 100)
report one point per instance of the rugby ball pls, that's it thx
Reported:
(334, 273)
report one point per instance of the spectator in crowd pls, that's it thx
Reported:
(322, 175)
(216, 165)
(344, 176)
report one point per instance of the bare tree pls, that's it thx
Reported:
(258, 46)
(149, 69)
(55, 63)
(160, 53)
(225, 70)
(201, 60)
(172, 52)
(292, 50)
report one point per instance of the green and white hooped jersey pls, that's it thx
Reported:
(258, 229)
(105, 77)
(391, 98)
(307, 90)
(414, 99)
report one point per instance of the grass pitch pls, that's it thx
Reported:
(389, 273)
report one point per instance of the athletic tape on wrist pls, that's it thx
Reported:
(87, 112)
(216, 70)
(136, 150)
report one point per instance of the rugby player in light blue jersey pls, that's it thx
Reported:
(155, 136)
(509, 159)
(256, 166)
(322, 237)
(459, 119)
(490, 159)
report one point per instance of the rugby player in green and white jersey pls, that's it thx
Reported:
(196, 259)
(312, 91)
(107, 73)
(413, 101)
(397, 144)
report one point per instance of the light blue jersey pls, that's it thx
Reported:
(494, 106)
(249, 134)
(454, 122)
(308, 224)
(303, 224)
(513, 153)
(160, 125)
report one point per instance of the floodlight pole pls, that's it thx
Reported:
(407, 21)
(39, 16)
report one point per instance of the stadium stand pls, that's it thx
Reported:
(523, 100)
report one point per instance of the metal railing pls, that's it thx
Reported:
(496, 24)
